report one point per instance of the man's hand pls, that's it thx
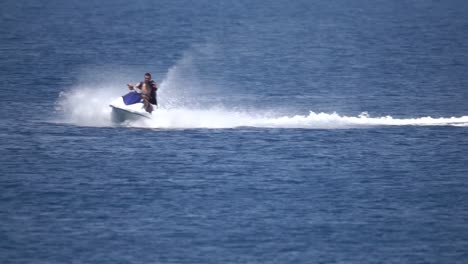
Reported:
(130, 86)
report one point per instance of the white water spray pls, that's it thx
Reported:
(84, 106)
(80, 110)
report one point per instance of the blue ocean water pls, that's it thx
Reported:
(288, 132)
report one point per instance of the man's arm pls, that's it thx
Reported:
(136, 86)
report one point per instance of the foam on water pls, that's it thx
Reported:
(79, 109)
(218, 118)
(85, 106)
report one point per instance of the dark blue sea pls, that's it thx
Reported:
(325, 131)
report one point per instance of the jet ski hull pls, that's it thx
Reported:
(122, 113)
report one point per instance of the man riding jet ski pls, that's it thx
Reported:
(147, 91)
(140, 102)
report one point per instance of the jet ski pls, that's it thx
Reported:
(129, 108)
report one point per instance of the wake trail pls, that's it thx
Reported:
(216, 118)
(77, 108)
(85, 106)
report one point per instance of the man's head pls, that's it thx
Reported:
(147, 77)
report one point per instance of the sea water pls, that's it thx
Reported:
(287, 132)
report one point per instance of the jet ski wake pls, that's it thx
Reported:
(90, 107)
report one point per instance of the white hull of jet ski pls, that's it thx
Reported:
(122, 112)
